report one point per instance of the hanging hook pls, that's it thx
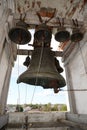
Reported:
(62, 23)
(24, 17)
(51, 16)
(21, 16)
(40, 19)
(75, 22)
(59, 21)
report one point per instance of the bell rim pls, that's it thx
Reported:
(28, 81)
(57, 36)
(40, 76)
(19, 28)
(78, 39)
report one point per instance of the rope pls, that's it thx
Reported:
(25, 94)
(18, 102)
(38, 70)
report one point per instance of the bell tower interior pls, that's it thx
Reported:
(67, 21)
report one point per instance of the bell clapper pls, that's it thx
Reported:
(56, 90)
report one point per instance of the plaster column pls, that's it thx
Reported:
(75, 62)
(4, 94)
(6, 64)
(8, 53)
(85, 16)
(71, 95)
(3, 20)
(11, 5)
(1, 9)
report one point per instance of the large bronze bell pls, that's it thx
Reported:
(62, 35)
(20, 34)
(43, 33)
(76, 35)
(42, 70)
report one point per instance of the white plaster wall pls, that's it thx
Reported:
(5, 72)
(7, 57)
(3, 69)
(78, 71)
(1, 8)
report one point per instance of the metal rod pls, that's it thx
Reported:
(26, 52)
(73, 90)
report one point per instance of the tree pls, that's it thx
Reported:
(55, 107)
(64, 107)
(47, 107)
(19, 108)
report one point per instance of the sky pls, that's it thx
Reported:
(25, 93)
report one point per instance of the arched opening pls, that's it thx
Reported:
(24, 94)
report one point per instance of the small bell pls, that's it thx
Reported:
(59, 68)
(76, 35)
(62, 35)
(27, 61)
(43, 34)
(20, 34)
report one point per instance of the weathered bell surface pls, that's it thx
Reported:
(43, 33)
(62, 35)
(76, 36)
(59, 68)
(42, 70)
(27, 61)
(20, 34)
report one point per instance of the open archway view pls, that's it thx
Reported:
(30, 95)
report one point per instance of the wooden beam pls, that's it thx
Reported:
(58, 53)
(26, 52)
(32, 20)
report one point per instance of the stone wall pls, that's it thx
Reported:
(36, 121)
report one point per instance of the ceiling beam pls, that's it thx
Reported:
(54, 22)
